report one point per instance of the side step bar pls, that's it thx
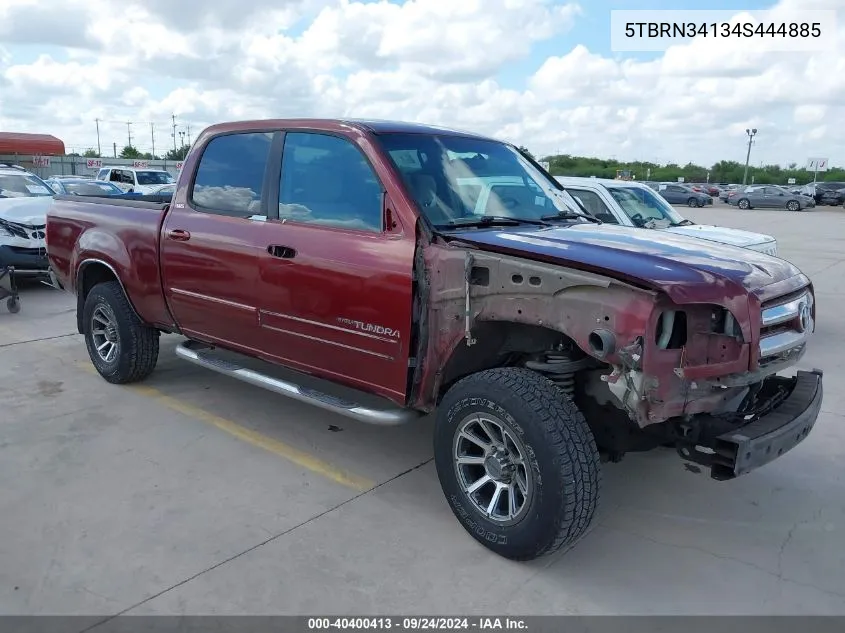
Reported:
(198, 353)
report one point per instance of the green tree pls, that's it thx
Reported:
(90, 153)
(130, 152)
(721, 171)
(177, 154)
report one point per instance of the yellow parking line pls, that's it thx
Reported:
(300, 458)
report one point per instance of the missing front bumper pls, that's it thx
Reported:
(763, 440)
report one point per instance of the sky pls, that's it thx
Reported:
(539, 73)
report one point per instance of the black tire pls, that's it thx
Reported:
(13, 305)
(136, 351)
(743, 204)
(560, 451)
(793, 205)
(693, 202)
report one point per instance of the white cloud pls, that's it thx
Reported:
(438, 61)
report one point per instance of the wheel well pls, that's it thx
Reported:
(89, 276)
(498, 344)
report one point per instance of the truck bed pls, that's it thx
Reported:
(122, 235)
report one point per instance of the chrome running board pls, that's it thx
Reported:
(198, 354)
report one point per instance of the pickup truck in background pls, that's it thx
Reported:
(544, 340)
(632, 203)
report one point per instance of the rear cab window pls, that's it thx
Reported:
(230, 176)
(594, 204)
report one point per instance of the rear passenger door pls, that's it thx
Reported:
(213, 242)
(335, 282)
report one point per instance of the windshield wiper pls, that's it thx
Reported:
(490, 220)
(571, 215)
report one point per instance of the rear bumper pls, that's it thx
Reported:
(748, 447)
(28, 262)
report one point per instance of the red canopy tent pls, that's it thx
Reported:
(38, 144)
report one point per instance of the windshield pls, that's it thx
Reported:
(642, 205)
(455, 180)
(23, 186)
(92, 188)
(154, 177)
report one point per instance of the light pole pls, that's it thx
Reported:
(751, 134)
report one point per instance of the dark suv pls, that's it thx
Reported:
(831, 193)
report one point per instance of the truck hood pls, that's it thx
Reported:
(689, 270)
(723, 235)
(26, 210)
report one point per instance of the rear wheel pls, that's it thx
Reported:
(744, 204)
(120, 346)
(517, 462)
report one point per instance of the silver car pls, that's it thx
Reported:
(770, 197)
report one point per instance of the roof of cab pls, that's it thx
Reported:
(607, 182)
(373, 126)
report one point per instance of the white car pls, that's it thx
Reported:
(24, 202)
(141, 181)
(631, 203)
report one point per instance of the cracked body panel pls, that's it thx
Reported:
(707, 371)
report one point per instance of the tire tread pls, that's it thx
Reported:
(571, 439)
(143, 345)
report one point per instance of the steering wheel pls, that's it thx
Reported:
(638, 219)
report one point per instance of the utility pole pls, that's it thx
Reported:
(99, 151)
(173, 116)
(153, 137)
(750, 134)
(114, 147)
(182, 138)
(189, 134)
(129, 132)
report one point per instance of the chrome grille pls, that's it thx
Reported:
(786, 325)
(25, 231)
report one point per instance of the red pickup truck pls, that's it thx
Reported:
(437, 270)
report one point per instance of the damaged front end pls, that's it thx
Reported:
(645, 370)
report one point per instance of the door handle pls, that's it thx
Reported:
(180, 235)
(283, 252)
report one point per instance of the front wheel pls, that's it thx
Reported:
(693, 202)
(517, 462)
(793, 205)
(120, 346)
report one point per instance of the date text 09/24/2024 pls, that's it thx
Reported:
(417, 623)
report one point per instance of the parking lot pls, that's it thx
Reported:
(194, 493)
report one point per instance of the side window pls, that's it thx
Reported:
(127, 177)
(230, 175)
(326, 180)
(103, 174)
(115, 175)
(594, 204)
